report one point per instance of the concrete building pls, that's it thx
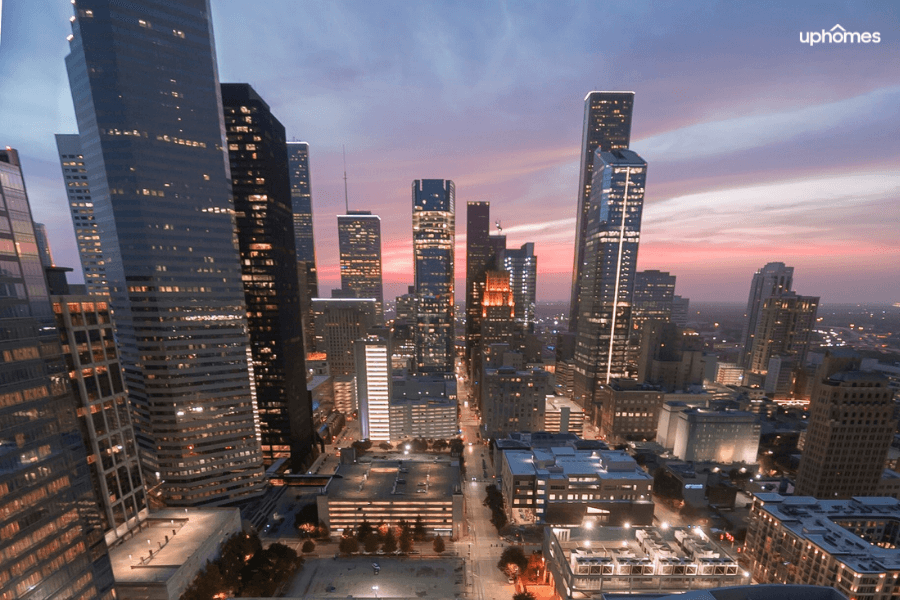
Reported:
(670, 356)
(625, 410)
(587, 562)
(565, 486)
(724, 437)
(513, 400)
(498, 324)
(729, 374)
(171, 549)
(561, 414)
(373, 385)
(393, 490)
(339, 322)
(771, 280)
(848, 544)
(681, 308)
(426, 417)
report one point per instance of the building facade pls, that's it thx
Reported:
(670, 356)
(263, 215)
(434, 238)
(87, 238)
(152, 136)
(627, 410)
(724, 437)
(771, 280)
(52, 543)
(339, 323)
(478, 254)
(522, 266)
(607, 127)
(359, 243)
(607, 277)
(301, 205)
(653, 294)
(513, 400)
(373, 385)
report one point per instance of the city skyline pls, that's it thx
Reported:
(809, 129)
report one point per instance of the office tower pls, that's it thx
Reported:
(680, 308)
(301, 204)
(627, 410)
(339, 323)
(783, 332)
(43, 243)
(152, 137)
(513, 400)
(262, 207)
(78, 194)
(851, 427)
(373, 384)
(95, 373)
(404, 325)
(653, 294)
(52, 532)
(478, 251)
(434, 222)
(359, 242)
(610, 255)
(498, 310)
(522, 266)
(607, 127)
(771, 280)
(670, 357)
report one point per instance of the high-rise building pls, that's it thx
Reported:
(262, 206)
(359, 242)
(851, 426)
(434, 227)
(152, 139)
(680, 308)
(607, 127)
(513, 400)
(478, 251)
(373, 384)
(670, 357)
(783, 332)
(95, 373)
(653, 294)
(771, 280)
(339, 323)
(301, 204)
(522, 266)
(52, 542)
(81, 206)
(498, 310)
(404, 325)
(607, 285)
(43, 242)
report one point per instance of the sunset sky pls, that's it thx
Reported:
(760, 148)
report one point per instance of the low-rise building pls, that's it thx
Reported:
(585, 562)
(388, 491)
(724, 437)
(562, 414)
(851, 544)
(626, 410)
(513, 400)
(424, 417)
(563, 485)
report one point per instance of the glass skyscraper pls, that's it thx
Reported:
(607, 126)
(52, 543)
(653, 294)
(607, 284)
(478, 253)
(301, 204)
(434, 238)
(262, 205)
(145, 86)
(359, 242)
(522, 266)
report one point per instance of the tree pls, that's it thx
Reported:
(512, 561)
(348, 545)
(440, 445)
(523, 595)
(419, 533)
(406, 541)
(370, 543)
(323, 532)
(363, 531)
(386, 446)
(390, 542)
(419, 445)
(236, 551)
(308, 546)
(456, 447)
(438, 544)
(206, 585)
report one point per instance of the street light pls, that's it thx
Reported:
(375, 589)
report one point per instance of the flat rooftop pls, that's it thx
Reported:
(396, 479)
(565, 461)
(557, 403)
(817, 521)
(131, 560)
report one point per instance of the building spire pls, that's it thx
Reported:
(346, 197)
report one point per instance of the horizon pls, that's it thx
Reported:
(799, 137)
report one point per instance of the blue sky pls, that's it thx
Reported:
(760, 148)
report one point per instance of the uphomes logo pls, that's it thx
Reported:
(839, 35)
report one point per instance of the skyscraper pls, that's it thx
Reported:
(262, 205)
(87, 237)
(373, 381)
(607, 283)
(301, 203)
(653, 294)
(52, 531)
(771, 280)
(359, 241)
(498, 310)
(434, 226)
(851, 426)
(152, 137)
(478, 251)
(339, 323)
(522, 266)
(607, 127)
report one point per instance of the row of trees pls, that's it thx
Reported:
(455, 445)
(494, 501)
(387, 538)
(245, 569)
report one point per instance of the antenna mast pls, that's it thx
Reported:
(346, 197)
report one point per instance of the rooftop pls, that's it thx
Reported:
(388, 479)
(565, 461)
